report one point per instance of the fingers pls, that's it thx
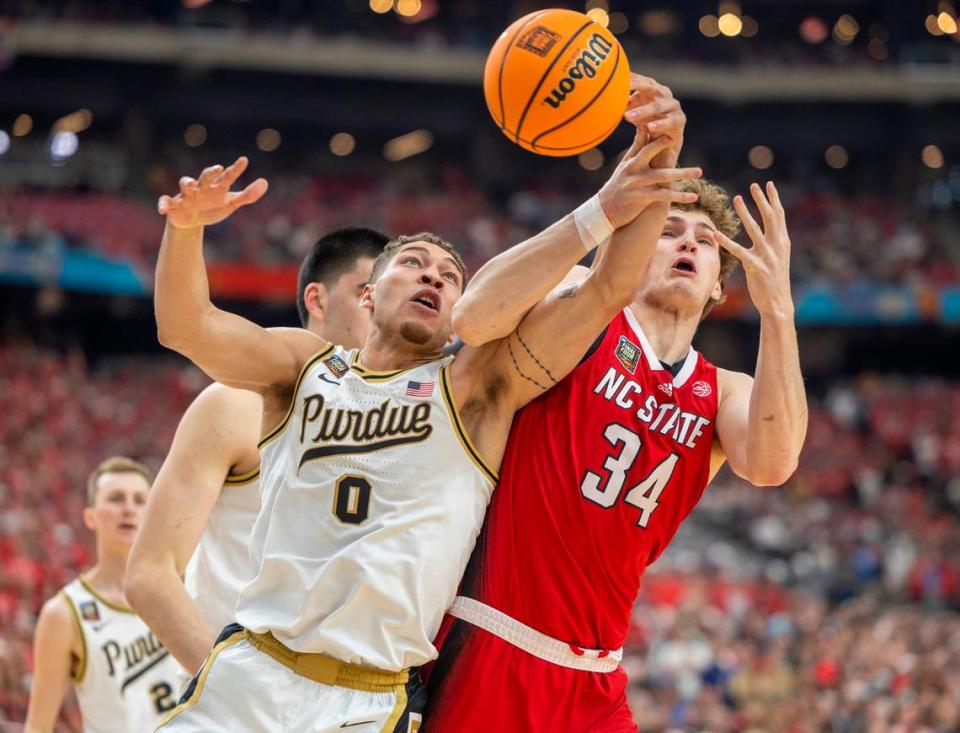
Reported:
(640, 84)
(774, 196)
(188, 187)
(737, 250)
(233, 172)
(649, 111)
(749, 223)
(661, 176)
(249, 195)
(209, 175)
(164, 204)
(671, 196)
(650, 151)
(766, 211)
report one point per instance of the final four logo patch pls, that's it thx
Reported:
(336, 365)
(89, 611)
(628, 353)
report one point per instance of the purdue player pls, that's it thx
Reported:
(599, 472)
(124, 679)
(377, 464)
(207, 494)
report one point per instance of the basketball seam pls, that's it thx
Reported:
(546, 73)
(503, 62)
(587, 106)
(596, 141)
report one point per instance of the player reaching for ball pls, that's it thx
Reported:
(377, 464)
(599, 472)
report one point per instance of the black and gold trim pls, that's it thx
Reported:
(81, 669)
(293, 397)
(96, 594)
(231, 635)
(241, 479)
(372, 375)
(458, 428)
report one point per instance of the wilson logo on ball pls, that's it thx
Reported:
(584, 67)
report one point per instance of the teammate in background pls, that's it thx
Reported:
(207, 493)
(600, 471)
(124, 679)
(366, 525)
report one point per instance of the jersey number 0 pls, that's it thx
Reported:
(605, 490)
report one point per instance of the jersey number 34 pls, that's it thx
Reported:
(605, 490)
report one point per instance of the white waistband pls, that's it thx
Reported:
(532, 641)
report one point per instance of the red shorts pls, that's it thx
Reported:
(483, 684)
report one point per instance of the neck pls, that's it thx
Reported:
(669, 332)
(383, 352)
(107, 575)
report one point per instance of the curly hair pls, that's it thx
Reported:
(380, 264)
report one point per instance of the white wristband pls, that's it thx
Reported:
(593, 226)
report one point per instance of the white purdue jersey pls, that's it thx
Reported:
(125, 680)
(220, 566)
(372, 499)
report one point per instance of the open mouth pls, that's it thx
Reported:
(427, 298)
(128, 525)
(685, 264)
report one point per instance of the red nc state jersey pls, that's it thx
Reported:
(597, 476)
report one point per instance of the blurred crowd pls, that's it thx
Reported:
(831, 604)
(838, 240)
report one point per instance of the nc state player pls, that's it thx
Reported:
(599, 472)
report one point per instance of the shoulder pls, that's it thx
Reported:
(221, 404)
(303, 342)
(730, 383)
(57, 622)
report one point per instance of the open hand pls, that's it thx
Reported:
(209, 200)
(767, 262)
(653, 109)
(634, 185)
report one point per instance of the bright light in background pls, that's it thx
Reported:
(406, 146)
(591, 160)
(600, 16)
(836, 157)
(268, 140)
(760, 157)
(618, 23)
(408, 8)
(845, 29)
(947, 23)
(195, 135)
(22, 125)
(709, 26)
(74, 122)
(933, 26)
(63, 145)
(4, 142)
(813, 30)
(381, 6)
(932, 157)
(750, 27)
(730, 25)
(342, 144)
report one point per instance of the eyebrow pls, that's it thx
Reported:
(677, 219)
(448, 258)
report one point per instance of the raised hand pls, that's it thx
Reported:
(767, 262)
(634, 185)
(209, 200)
(653, 109)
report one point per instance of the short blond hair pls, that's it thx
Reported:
(715, 203)
(114, 464)
(391, 248)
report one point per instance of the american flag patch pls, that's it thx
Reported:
(420, 389)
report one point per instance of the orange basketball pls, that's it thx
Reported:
(556, 82)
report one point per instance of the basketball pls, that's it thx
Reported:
(556, 82)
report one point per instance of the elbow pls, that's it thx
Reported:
(617, 293)
(136, 586)
(465, 325)
(772, 475)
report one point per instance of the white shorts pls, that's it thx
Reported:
(241, 688)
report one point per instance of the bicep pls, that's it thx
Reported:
(53, 659)
(733, 419)
(240, 353)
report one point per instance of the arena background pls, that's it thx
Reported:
(830, 604)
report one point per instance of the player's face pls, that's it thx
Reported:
(684, 272)
(346, 323)
(414, 296)
(116, 512)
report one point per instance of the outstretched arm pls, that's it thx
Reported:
(53, 646)
(218, 431)
(762, 422)
(505, 289)
(230, 349)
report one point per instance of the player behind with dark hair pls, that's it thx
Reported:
(87, 634)
(207, 493)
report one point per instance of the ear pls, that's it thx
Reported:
(717, 293)
(315, 300)
(367, 296)
(89, 519)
